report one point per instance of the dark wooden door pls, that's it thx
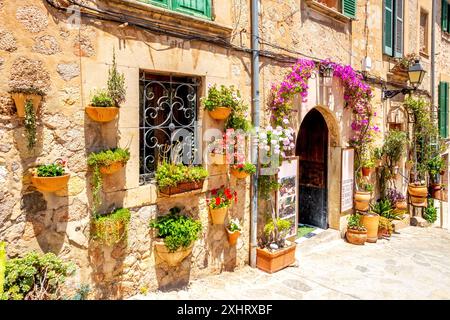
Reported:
(312, 149)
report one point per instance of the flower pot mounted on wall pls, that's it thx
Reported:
(50, 184)
(218, 215)
(112, 168)
(102, 114)
(20, 99)
(173, 259)
(220, 113)
(233, 237)
(239, 174)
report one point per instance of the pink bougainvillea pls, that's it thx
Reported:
(357, 95)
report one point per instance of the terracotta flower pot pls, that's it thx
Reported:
(383, 233)
(112, 168)
(435, 191)
(362, 200)
(418, 195)
(182, 187)
(21, 98)
(274, 261)
(172, 258)
(220, 113)
(50, 184)
(370, 222)
(233, 237)
(218, 159)
(356, 236)
(239, 174)
(401, 205)
(218, 215)
(365, 171)
(102, 114)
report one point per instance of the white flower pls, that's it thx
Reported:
(269, 128)
(267, 148)
(276, 151)
(285, 120)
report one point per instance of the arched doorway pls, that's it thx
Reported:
(312, 149)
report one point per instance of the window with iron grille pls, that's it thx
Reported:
(167, 122)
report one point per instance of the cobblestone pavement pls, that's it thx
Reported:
(414, 264)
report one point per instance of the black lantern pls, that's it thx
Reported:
(416, 74)
(326, 71)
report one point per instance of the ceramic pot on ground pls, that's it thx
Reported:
(356, 236)
(273, 261)
(370, 222)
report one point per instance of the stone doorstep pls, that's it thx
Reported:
(401, 224)
(322, 238)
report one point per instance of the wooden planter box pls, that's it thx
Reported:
(275, 261)
(182, 187)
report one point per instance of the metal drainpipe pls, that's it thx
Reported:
(255, 118)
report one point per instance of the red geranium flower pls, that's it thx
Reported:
(214, 192)
(217, 201)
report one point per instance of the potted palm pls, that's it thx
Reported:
(233, 231)
(242, 170)
(275, 252)
(110, 229)
(176, 234)
(356, 233)
(50, 177)
(363, 197)
(105, 104)
(220, 102)
(219, 202)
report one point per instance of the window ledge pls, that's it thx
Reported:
(170, 20)
(320, 7)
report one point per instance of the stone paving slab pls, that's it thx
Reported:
(412, 264)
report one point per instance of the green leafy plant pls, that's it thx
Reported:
(35, 277)
(384, 209)
(171, 174)
(104, 158)
(177, 230)
(430, 213)
(354, 222)
(2, 266)
(234, 225)
(435, 165)
(367, 187)
(222, 97)
(50, 170)
(30, 124)
(116, 83)
(221, 198)
(101, 98)
(82, 292)
(249, 168)
(275, 233)
(394, 147)
(267, 184)
(386, 224)
(111, 228)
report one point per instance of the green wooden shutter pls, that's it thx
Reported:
(349, 8)
(444, 16)
(159, 3)
(388, 38)
(200, 8)
(443, 109)
(398, 27)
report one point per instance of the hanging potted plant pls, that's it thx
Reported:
(233, 231)
(105, 162)
(418, 193)
(367, 166)
(363, 197)
(435, 166)
(110, 229)
(50, 177)
(356, 233)
(242, 170)
(22, 95)
(397, 199)
(176, 235)
(221, 102)
(173, 178)
(275, 252)
(221, 199)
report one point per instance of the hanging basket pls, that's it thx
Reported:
(220, 113)
(20, 100)
(218, 215)
(239, 174)
(50, 184)
(112, 168)
(102, 114)
(173, 259)
(233, 237)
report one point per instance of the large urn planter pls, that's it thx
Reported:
(50, 184)
(112, 168)
(239, 174)
(358, 237)
(182, 188)
(173, 259)
(370, 222)
(218, 215)
(20, 100)
(362, 200)
(233, 237)
(273, 261)
(220, 113)
(102, 114)
(418, 195)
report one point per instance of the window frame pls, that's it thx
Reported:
(445, 28)
(174, 5)
(427, 30)
(392, 49)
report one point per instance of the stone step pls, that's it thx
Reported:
(318, 240)
(401, 224)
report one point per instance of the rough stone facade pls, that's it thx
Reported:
(40, 46)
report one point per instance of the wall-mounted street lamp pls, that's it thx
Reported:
(326, 71)
(416, 73)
